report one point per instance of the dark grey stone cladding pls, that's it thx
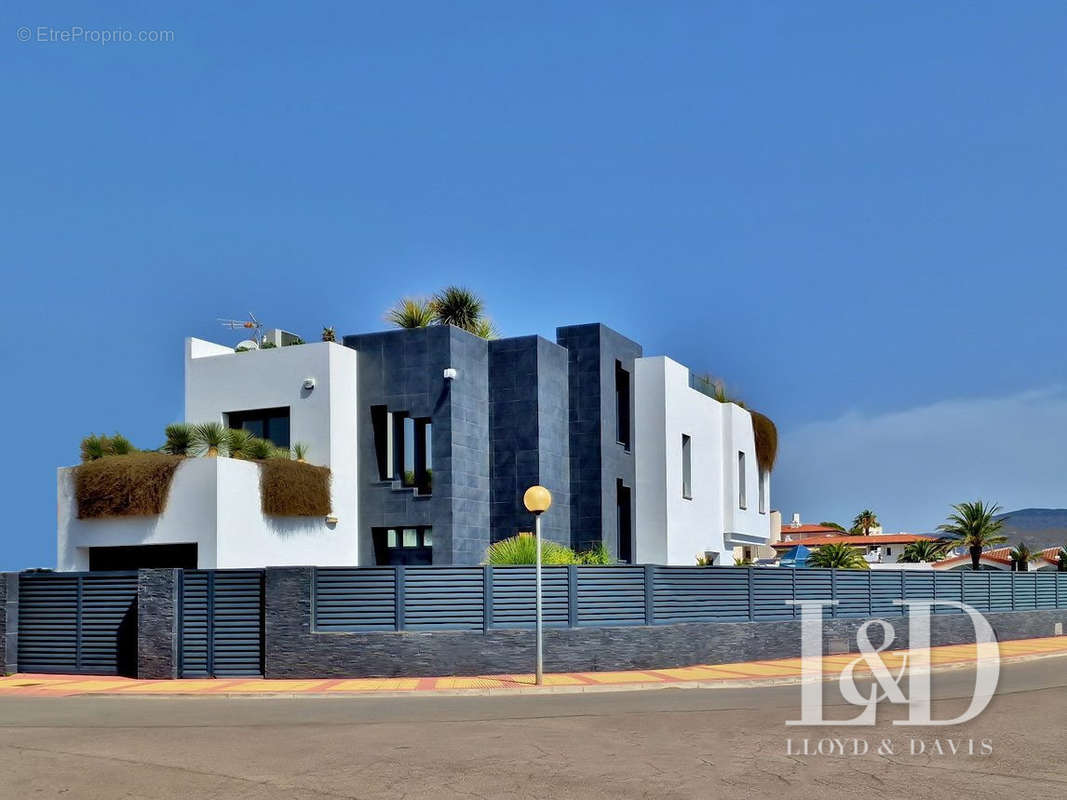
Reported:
(294, 651)
(9, 622)
(157, 623)
(529, 434)
(597, 459)
(403, 370)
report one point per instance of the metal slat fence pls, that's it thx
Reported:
(484, 598)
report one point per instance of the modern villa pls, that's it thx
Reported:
(431, 436)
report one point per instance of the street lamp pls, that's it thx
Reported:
(537, 501)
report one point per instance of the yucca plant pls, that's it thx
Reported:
(260, 449)
(411, 312)
(328, 334)
(522, 549)
(282, 453)
(300, 451)
(485, 328)
(455, 305)
(121, 446)
(209, 438)
(238, 442)
(179, 439)
(837, 556)
(973, 526)
(94, 447)
(923, 551)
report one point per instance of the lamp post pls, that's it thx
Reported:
(537, 501)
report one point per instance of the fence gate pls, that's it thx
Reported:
(221, 623)
(78, 623)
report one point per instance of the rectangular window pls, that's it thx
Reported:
(390, 538)
(687, 467)
(394, 546)
(624, 517)
(763, 478)
(382, 421)
(742, 499)
(411, 537)
(622, 405)
(271, 424)
(889, 551)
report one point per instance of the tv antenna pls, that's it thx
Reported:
(250, 324)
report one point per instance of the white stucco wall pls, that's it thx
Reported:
(219, 381)
(215, 504)
(672, 529)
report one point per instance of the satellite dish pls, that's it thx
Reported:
(247, 344)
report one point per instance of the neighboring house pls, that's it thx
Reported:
(796, 532)
(432, 436)
(999, 558)
(761, 553)
(882, 548)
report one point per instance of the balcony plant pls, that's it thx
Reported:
(210, 438)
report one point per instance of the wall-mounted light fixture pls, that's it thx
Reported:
(450, 374)
(309, 383)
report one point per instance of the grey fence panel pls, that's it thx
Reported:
(853, 593)
(443, 598)
(48, 623)
(221, 623)
(948, 586)
(611, 596)
(772, 589)
(816, 584)
(513, 597)
(195, 661)
(238, 618)
(976, 589)
(78, 623)
(355, 599)
(918, 585)
(698, 594)
(1025, 591)
(1000, 587)
(885, 588)
(1046, 589)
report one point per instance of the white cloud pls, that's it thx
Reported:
(910, 466)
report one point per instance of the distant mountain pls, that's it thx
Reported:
(1038, 527)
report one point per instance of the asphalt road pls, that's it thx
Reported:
(665, 743)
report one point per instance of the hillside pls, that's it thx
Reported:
(1038, 527)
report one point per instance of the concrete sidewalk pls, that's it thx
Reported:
(787, 670)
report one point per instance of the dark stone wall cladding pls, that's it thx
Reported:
(157, 623)
(9, 621)
(294, 651)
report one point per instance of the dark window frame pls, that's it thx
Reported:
(237, 420)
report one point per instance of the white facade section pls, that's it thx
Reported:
(213, 503)
(673, 528)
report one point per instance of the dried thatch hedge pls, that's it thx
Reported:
(766, 434)
(133, 485)
(292, 489)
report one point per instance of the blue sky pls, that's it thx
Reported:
(853, 213)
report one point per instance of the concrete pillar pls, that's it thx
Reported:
(157, 623)
(9, 622)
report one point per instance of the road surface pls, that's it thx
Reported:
(664, 743)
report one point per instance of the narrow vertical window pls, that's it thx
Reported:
(624, 522)
(763, 491)
(622, 405)
(687, 467)
(742, 499)
(382, 421)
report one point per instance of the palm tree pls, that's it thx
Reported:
(179, 439)
(924, 551)
(461, 307)
(1021, 556)
(973, 526)
(837, 556)
(411, 312)
(833, 525)
(1061, 559)
(864, 521)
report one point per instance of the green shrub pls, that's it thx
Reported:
(94, 447)
(522, 549)
(210, 438)
(260, 449)
(179, 439)
(238, 442)
(597, 555)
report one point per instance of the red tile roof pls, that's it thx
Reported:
(856, 541)
(1001, 555)
(807, 531)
